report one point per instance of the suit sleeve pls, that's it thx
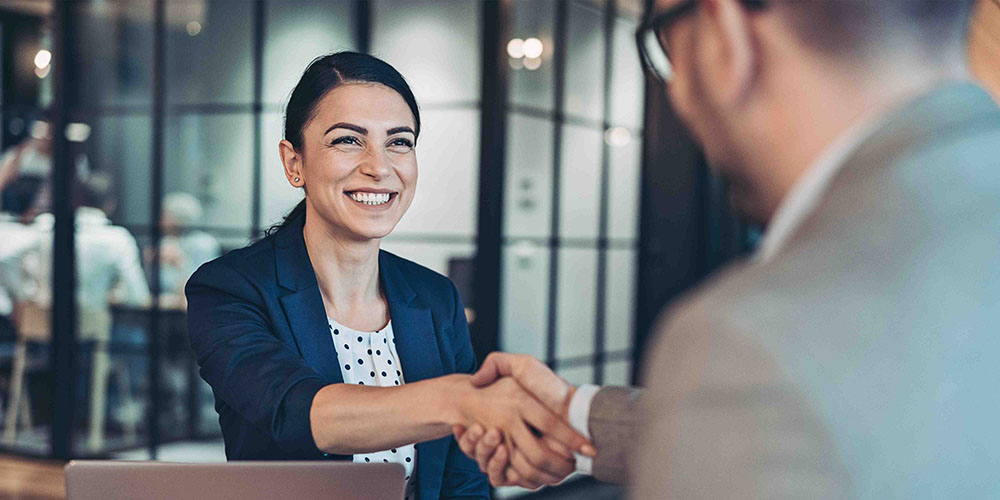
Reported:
(612, 424)
(263, 379)
(462, 478)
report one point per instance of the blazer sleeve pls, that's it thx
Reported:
(612, 424)
(263, 379)
(462, 477)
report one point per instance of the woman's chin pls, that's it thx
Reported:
(371, 233)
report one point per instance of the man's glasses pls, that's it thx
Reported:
(651, 36)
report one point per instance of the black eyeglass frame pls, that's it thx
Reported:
(656, 23)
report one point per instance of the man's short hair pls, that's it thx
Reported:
(850, 28)
(97, 190)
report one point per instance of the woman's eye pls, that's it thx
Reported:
(347, 139)
(401, 145)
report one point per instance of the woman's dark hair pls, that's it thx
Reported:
(325, 74)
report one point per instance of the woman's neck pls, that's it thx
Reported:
(347, 274)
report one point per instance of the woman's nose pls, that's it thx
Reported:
(375, 164)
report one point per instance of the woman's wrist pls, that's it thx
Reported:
(453, 396)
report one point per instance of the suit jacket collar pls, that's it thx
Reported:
(945, 110)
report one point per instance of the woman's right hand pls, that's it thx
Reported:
(525, 424)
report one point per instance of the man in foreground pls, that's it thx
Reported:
(853, 356)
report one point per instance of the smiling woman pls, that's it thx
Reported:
(318, 345)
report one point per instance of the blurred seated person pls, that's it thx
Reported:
(107, 256)
(182, 248)
(16, 237)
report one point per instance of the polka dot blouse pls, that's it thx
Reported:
(369, 358)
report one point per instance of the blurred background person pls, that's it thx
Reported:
(184, 247)
(109, 271)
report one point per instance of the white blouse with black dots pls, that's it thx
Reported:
(369, 358)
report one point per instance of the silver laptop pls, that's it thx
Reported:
(117, 479)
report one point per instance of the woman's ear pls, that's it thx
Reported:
(292, 161)
(728, 54)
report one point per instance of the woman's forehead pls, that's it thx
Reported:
(363, 103)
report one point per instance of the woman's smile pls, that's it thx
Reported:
(375, 199)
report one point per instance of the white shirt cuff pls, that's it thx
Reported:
(579, 414)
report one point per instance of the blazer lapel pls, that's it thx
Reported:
(416, 344)
(304, 305)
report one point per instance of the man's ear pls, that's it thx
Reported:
(727, 51)
(292, 161)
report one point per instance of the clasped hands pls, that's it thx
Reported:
(522, 437)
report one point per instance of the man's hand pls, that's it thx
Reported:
(486, 447)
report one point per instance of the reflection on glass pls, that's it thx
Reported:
(298, 31)
(624, 190)
(434, 44)
(585, 61)
(524, 307)
(577, 375)
(579, 201)
(433, 255)
(532, 19)
(213, 65)
(120, 146)
(528, 183)
(115, 50)
(619, 299)
(577, 300)
(211, 157)
(627, 80)
(618, 373)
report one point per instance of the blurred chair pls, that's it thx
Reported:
(32, 323)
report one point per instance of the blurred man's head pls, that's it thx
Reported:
(97, 191)
(180, 210)
(764, 85)
(20, 197)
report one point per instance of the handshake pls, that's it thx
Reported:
(519, 431)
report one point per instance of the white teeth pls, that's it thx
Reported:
(370, 198)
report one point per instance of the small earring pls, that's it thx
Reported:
(296, 179)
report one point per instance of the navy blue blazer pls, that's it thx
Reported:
(258, 326)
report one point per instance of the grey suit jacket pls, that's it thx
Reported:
(862, 361)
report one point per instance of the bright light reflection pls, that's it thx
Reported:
(617, 136)
(193, 28)
(532, 63)
(515, 48)
(77, 132)
(533, 48)
(42, 58)
(43, 72)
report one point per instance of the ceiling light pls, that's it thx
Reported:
(617, 136)
(43, 58)
(532, 48)
(515, 48)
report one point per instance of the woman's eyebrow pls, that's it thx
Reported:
(396, 130)
(349, 126)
